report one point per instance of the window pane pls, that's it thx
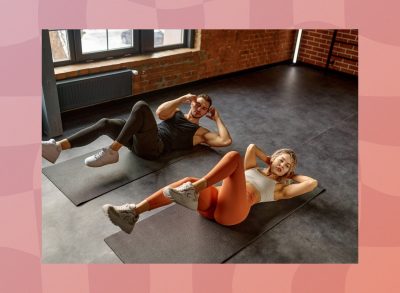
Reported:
(167, 37)
(59, 45)
(93, 41)
(119, 39)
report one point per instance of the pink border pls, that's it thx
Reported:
(379, 145)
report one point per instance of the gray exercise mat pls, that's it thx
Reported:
(180, 235)
(81, 183)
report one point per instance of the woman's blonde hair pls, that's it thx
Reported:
(292, 154)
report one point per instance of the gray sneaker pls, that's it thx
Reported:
(50, 150)
(184, 194)
(104, 157)
(123, 216)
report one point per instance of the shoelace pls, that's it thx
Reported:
(188, 190)
(184, 187)
(99, 154)
(124, 208)
(48, 142)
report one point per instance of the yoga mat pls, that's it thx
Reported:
(81, 183)
(180, 235)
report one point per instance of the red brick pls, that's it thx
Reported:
(352, 67)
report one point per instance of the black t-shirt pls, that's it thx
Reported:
(177, 132)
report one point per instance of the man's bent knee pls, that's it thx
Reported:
(103, 122)
(140, 105)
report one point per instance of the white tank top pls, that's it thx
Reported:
(264, 185)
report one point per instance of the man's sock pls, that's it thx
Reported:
(115, 146)
(64, 144)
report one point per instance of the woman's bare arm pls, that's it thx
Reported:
(305, 184)
(252, 153)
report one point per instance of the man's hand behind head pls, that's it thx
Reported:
(213, 113)
(189, 98)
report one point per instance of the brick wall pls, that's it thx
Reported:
(217, 52)
(221, 52)
(315, 44)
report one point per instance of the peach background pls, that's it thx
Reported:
(379, 145)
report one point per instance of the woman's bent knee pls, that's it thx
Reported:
(233, 155)
(229, 218)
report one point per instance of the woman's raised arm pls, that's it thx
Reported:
(250, 159)
(305, 184)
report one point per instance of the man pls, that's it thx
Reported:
(144, 136)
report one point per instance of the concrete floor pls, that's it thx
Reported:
(282, 106)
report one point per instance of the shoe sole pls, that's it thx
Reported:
(182, 200)
(112, 214)
(52, 158)
(101, 165)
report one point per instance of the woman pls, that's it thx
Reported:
(244, 184)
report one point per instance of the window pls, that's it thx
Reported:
(163, 38)
(60, 45)
(75, 46)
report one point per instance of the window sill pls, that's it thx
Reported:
(75, 70)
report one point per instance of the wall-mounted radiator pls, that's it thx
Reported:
(89, 90)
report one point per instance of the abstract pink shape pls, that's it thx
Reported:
(111, 278)
(378, 271)
(62, 14)
(190, 17)
(65, 278)
(177, 4)
(378, 163)
(124, 14)
(24, 114)
(19, 271)
(18, 220)
(317, 279)
(149, 3)
(37, 170)
(379, 218)
(265, 14)
(38, 215)
(316, 25)
(16, 168)
(375, 19)
(23, 64)
(212, 278)
(332, 12)
(238, 13)
(15, 30)
(379, 67)
(379, 122)
(161, 276)
(252, 278)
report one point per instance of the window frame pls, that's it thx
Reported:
(143, 44)
(71, 45)
(147, 41)
(104, 55)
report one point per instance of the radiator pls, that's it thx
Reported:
(89, 90)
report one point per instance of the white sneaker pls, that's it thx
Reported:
(184, 194)
(123, 216)
(104, 157)
(50, 150)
